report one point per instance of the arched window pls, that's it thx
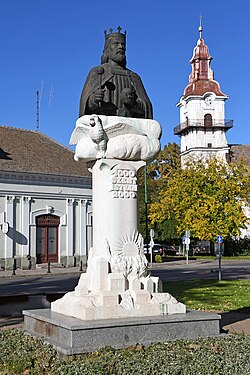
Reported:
(47, 238)
(208, 121)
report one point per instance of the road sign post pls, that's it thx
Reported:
(187, 242)
(151, 244)
(183, 245)
(219, 240)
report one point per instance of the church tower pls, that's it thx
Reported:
(202, 126)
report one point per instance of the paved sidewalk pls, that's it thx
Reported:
(41, 270)
(235, 322)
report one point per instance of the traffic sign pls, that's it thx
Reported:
(183, 240)
(219, 239)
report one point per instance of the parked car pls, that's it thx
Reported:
(171, 250)
(157, 249)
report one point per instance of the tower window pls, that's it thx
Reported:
(209, 145)
(208, 121)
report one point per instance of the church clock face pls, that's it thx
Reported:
(208, 100)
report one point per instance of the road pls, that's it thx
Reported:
(62, 283)
(43, 284)
(230, 270)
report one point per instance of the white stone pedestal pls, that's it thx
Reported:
(116, 283)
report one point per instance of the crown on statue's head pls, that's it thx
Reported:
(117, 35)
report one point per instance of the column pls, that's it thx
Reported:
(83, 226)
(25, 225)
(9, 204)
(115, 207)
(70, 229)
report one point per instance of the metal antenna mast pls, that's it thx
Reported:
(37, 110)
(39, 95)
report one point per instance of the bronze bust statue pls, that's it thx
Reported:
(112, 89)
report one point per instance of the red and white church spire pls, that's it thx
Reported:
(201, 78)
(202, 126)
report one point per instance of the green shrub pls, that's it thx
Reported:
(237, 246)
(158, 258)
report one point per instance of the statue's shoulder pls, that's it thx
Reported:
(99, 71)
(134, 75)
(96, 69)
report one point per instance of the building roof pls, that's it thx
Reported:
(34, 152)
(240, 152)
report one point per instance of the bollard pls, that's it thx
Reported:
(14, 267)
(30, 262)
(48, 268)
(80, 266)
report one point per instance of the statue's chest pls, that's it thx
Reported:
(115, 85)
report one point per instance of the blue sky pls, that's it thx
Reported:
(59, 41)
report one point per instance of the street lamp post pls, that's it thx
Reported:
(146, 204)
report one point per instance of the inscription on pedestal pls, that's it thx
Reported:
(124, 184)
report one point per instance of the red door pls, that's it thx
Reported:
(47, 238)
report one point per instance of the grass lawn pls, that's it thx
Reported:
(23, 354)
(212, 257)
(225, 295)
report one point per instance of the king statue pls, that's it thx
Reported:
(111, 89)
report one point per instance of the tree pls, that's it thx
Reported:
(206, 198)
(157, 172)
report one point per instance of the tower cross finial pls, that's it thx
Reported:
(200, 27)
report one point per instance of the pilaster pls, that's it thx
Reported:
(9, 204)
(70, 229)
(83, 226)
(25, 225)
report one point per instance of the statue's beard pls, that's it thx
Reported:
(120, 59)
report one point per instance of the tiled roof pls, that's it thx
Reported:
(240, 152)
(202, 86)
(34, 152)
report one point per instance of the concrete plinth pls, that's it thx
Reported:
(73, 336)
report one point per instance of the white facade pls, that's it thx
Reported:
(198, 138)
(25, 197)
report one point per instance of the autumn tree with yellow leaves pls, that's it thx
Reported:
(206, 198)
(157, 173)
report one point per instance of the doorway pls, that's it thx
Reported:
(47, 238)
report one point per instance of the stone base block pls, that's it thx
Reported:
(8, 264)
(79, 259)
(27, 263)
(111, 305)
(73, 336)
(141, 296)
(68, 261)
(106, 299)
(116, 282)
